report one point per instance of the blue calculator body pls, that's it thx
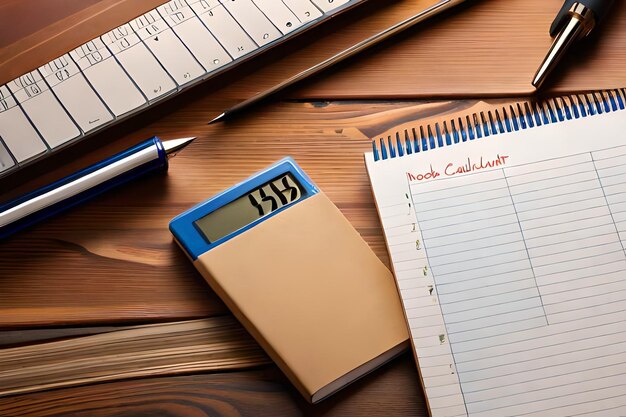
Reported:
(241, 207)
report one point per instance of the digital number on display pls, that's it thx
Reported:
(250, 207)
(275, 195)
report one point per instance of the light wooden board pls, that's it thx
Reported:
(215, 344)
(392, 391)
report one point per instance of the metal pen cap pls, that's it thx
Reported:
(575, 20)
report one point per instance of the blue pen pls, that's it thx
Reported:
(148, 156)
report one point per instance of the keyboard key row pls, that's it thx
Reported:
(136, 64)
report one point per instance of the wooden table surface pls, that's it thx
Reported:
(112, 261)
(107, 266)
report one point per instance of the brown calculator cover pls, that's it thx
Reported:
(312, 293)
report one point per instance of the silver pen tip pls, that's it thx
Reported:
(218, 118)
(173, 145)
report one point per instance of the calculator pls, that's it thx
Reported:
(298, 277)
(242, 207)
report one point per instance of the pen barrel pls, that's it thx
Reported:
(52, 199)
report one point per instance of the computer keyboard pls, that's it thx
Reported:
(144, 61)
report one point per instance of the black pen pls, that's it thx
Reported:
(437, 8)
(576, 19)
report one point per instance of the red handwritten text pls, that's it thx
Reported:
(425, 176)
(466, 167)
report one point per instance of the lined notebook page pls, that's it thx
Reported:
(509, 254)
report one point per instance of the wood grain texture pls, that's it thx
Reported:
(391, 391)
(23, 337)
(41, 31)
(50, 12)
(113, 259)
(485, 47)
(214, 344)
(495, 114)
(482, 48)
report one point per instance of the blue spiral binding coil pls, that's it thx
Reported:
(501, 120)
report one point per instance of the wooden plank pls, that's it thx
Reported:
(484, 48)
(214, 344)
(135, 270)
(63, 27)
(14, 338)
(113, 259)
(48, 12)
(391, 391)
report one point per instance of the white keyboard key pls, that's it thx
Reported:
(279, 14)
(55, 126)
(304, 10)
(139, 63)
(201, 6)
(75, 93)
(202, 44)
(252, 20)
(16, 131)
(6, 161)
(107, 77)
(168, 49)
(6, 99)
(175, 12)
(329, 5)
(223, 27)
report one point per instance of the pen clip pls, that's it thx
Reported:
(560, 19)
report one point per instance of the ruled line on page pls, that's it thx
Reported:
(478, 192)
(561, 349)
(486, 217)
(613, 215)
(540, 171)
(522, 228)
(569, 403)
(444, 338)
(601, 412)
(611, 151)
(480, 199)
(480, 183)
(572, 225)
(563, 365)
(584, 200)
(478, 210)
(488, 246)
(483, 283)
(566, 328)
(577, 393)
(505, 233)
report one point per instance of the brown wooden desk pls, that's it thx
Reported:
(112, 263)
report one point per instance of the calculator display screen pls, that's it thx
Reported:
(252, 206)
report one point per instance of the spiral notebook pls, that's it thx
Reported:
(507, 234)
